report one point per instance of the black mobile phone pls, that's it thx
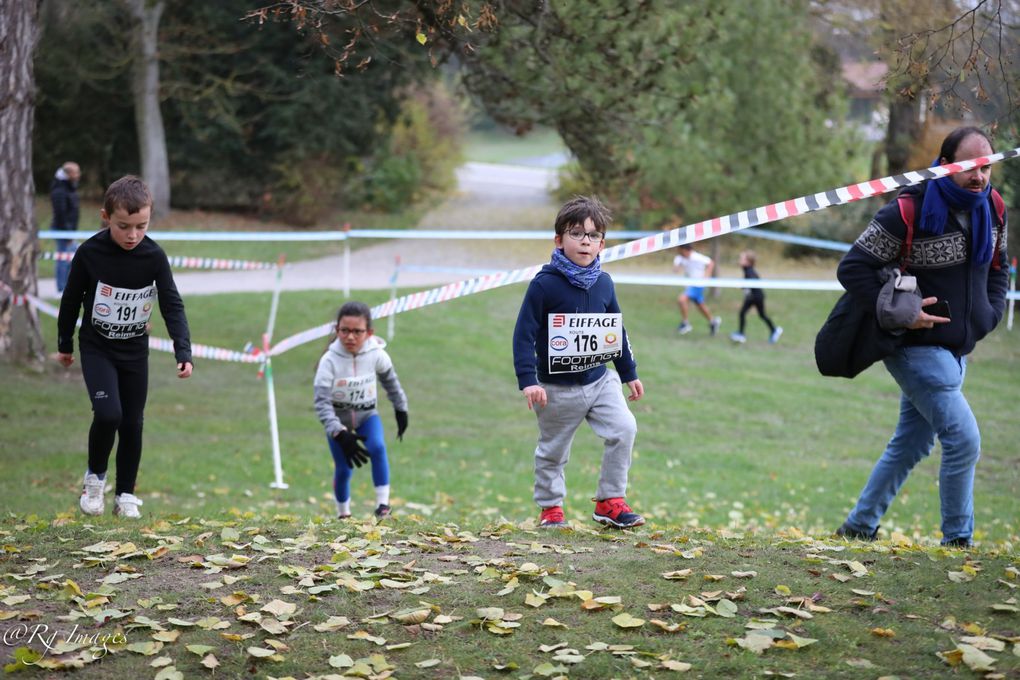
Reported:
(940, 308)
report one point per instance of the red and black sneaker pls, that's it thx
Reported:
(614, 512)
(552, 518)
(382, 511)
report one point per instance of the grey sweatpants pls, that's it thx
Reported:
(603, 405)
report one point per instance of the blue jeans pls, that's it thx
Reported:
(62, 268)
(932, 404)
(372, 431)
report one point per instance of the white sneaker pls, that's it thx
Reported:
(738, 337)
(684, 328)
(713, 325)
(93, 488)
(126, 505)
(774, 338)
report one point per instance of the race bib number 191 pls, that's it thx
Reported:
(578, 342)
(120, 313)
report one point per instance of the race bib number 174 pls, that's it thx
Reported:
(578, 342)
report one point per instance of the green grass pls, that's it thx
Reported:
(729, 436)
(500, 146)
(743, 452)
(201, 581)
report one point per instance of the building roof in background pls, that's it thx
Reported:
(865, 77)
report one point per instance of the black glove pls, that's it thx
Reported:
(401, 424)
(354, 451)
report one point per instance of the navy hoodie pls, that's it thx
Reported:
(548, 293)
(943, 267)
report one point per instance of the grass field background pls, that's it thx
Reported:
(729, 436)
(746, 460)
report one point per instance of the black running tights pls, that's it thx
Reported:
(758, 304)
(118, 390)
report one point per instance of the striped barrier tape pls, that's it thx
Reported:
(644, 245)
(183, 262)
(501, 234)
(265, 236)
(698, 231)
(206, 351)
(158, 344)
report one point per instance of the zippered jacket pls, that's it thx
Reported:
(346, 385)
(548, 293)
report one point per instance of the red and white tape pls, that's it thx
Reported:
(184, 262)
(158, 344)
(690, 233)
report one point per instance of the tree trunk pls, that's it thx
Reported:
(20, 336)
(903, 133)
(148, 117)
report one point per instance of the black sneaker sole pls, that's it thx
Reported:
(852, 534)
(610, 522)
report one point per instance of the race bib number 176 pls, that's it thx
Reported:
(578, 342)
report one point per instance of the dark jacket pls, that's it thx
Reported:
(753, 294)
(943, 267)
(64, 197)
(548, 293)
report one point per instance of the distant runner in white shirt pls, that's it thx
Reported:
(696, 266)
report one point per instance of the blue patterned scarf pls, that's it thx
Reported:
(942, 195)
(582, 277)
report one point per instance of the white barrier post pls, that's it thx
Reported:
(1012, 289)
(391, 322)
(347, 260)
(274, 430)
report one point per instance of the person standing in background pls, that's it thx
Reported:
(64, 198)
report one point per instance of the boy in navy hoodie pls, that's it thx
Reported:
(568, 328)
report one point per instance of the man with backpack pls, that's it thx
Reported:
(953, 241)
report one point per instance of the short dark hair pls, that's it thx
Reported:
(354, 308)
(953, 140)
(580, 208)
(128, 192)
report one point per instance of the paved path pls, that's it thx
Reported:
(489, 197)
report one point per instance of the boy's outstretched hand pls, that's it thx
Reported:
(354, 450)
(401, 424)
(184, 369)
(637, 390)
(535, 394)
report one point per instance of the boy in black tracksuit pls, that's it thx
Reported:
(116, 276)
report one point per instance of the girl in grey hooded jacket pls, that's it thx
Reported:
(346, 390)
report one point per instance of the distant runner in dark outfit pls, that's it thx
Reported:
(753, 297)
